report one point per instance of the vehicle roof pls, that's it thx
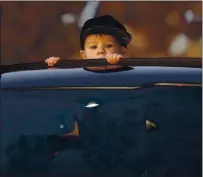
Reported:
(81, 77)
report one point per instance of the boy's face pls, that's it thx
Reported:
(98, 45)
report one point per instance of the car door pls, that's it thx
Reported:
(92, 131)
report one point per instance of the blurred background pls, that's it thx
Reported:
(33, 31)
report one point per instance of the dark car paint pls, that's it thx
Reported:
(177, 131)
(80, 77)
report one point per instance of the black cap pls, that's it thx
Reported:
(105, 25)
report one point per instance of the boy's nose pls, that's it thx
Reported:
(101, 51)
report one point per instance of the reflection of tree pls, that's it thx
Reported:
(107, 144)
(112, 141)
(29, 155)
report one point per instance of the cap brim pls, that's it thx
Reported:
(120, 34)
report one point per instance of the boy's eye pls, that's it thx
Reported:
(93, 47)
(108, 46)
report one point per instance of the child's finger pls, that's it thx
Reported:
(46, 61)
(115, 58)
(110, 58)
(51, 61)
(57, 58)
(119, 57)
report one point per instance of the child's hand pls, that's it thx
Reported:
(51, 61)
(113, 58)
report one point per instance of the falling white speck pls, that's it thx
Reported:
(61, 126)
(89, 11)
(68, 18)
(91, 105)
(189, 15)
(179, 45)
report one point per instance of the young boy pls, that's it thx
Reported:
(101, 37)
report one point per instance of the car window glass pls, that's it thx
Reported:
(111, 136)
